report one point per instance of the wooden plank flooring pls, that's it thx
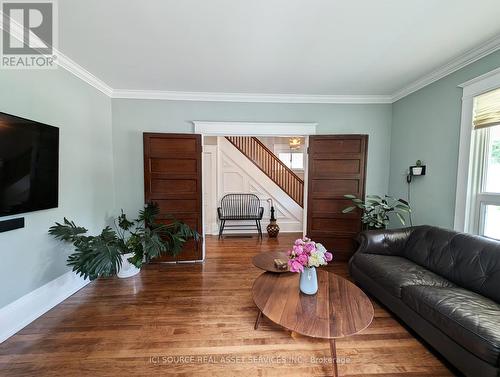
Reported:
(197, 320)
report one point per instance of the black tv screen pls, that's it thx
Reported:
(29, 165)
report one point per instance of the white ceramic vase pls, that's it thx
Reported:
(308, 281)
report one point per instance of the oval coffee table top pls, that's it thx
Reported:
(338, 309)
(265, 260)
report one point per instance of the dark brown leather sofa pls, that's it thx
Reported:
(443, 284)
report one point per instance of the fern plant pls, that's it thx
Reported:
(101, 255)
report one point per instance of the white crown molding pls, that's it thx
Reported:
(249, 97)
(71, 66)
(26, 309)
(62, 60)
(454, 65)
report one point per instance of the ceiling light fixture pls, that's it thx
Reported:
(295, 143)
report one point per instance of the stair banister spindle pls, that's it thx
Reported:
(274, 170)
(281, 176)
(268, 165)
(287, 181)
(295, 190)
(270, 169)
(278, 174)
(296, 193)
(294, 185)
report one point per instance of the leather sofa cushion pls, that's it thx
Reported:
(469, 261)
(394, 272)
(471, 320)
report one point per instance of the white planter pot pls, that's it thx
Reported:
(128, 269)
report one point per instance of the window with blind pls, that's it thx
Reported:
(485, 166)
(487, 109)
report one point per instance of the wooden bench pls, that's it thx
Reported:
(239, 207)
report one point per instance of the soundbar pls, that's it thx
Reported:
(11, 224)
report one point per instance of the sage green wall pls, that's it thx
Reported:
(30, 258)
(133, 117)
(426, 126)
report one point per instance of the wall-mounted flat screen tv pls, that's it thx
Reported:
(29, 165)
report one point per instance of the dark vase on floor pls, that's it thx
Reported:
(273, 229)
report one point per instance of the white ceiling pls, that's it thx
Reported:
(319, 47)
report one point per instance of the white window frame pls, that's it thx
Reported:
(285, 148)
(470, 198)
(479, 197)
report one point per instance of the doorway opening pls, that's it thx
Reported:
(273, 168)
(265, 159)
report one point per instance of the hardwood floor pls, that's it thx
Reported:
(198, 320)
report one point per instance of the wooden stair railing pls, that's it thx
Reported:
(270, 165)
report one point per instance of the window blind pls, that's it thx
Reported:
(487, 109)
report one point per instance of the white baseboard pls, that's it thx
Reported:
(26, 309)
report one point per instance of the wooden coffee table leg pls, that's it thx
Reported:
(257, 321)
(333, 350)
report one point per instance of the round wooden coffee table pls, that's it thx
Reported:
(265, 261)
(339, 308)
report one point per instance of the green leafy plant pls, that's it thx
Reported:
(376, 209)
(101, 255)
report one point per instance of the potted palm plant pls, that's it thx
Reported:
(123, 250)
(376, 210)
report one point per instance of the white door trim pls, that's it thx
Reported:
(254, 128)
(209, 185)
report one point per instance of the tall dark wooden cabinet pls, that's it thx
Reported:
(337, 166)
(172, 178)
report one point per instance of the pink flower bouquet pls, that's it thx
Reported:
(307, 253)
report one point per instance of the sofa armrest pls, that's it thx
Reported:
(383, 241)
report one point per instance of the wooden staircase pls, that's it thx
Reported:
(270, 165)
